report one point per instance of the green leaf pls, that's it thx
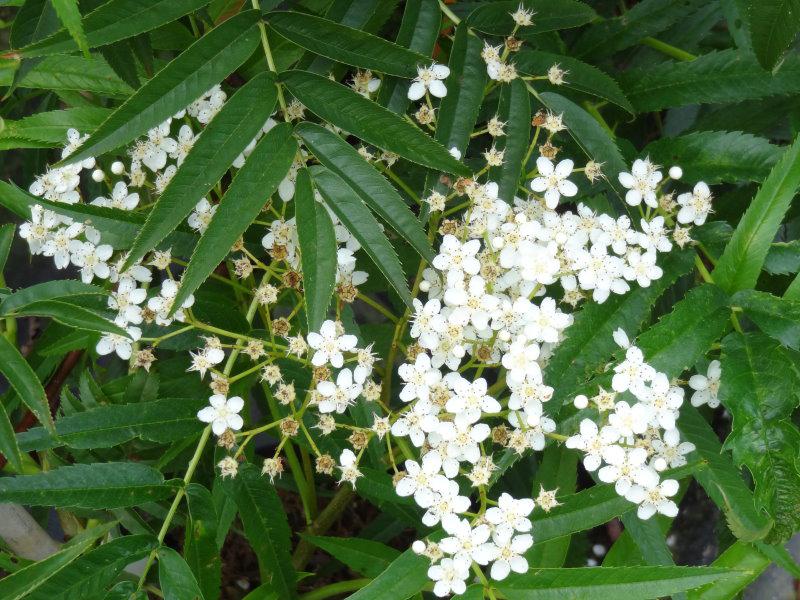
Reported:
(580, 76)
(345, 44)
(684, 335)
(418, 32)
(71, 73)
(120, 58)
(367, 557)
(6, 239)
(51, 127)
(90, 575)
(783, 258)
(97, 485)
(243, 201)
(266, 527)
(406, 576)
(741, 262)
(723, 76)
(777, 317)
(175, 578)
(48, 290)
(759, 387)
(35, 20)
(317, 241)
(589, 135)
(376, 125)
(608, 583)
(72, 316)
(549, 15)
(748, 563)
(204, 64)
(557, 470)
(26, 384)
(114, 21)
(119, 227)
(717, 156)
(70, 16)
(355, 216)
(8, 443)
(721, 480)
(589, 344)
(223, 139)
(345, 161)
(162, 421)
(773, 25)
(459, 109)
(642, 20)
(125, 590)
(515, 110)
(22, 583)
(200, 545)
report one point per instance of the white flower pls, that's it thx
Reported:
(459, 443)
(654, 235)
(624, 465)
(630, 420)
(162, 304)
(337, 397)
(447, 501)
(520, 362)
(654, 497)
(427, 323)
(553, 180)
(123, 346)
(416, 423)
(466, 543)
(642, 268)
(510, 557)
(632, 373)
(523, 17)
(206, 359)
(510, 515)
(429, 79)
(158, 146)
(470, 399)
(186, 139)
(126, 299)
(37, 231)
(545, 322)
(59, 244)
(593, 442)
(455, 258)
(670, 452)
(422, 480)
(449, 577)
(329, 345)
(120, 198)
(418, 378)
(664, 401)
(348, 465)
(641, 183)
(223, 413)
(706, 386)
(91, 259)
(201, 215)
(695, 206)
(472, 305)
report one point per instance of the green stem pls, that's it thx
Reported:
(326, 518)
(701, 268)
(450, 15)
(667, 49)
(377, 306)
(187, 478)
(592, 110)
(268, 54)
(334, 589)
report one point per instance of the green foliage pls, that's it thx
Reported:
(609, 582)
(763, 437)
(301, 152)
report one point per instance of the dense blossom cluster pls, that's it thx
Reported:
(494, 303)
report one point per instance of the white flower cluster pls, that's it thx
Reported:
(79, 244)
(636, 440)
(488, 306)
